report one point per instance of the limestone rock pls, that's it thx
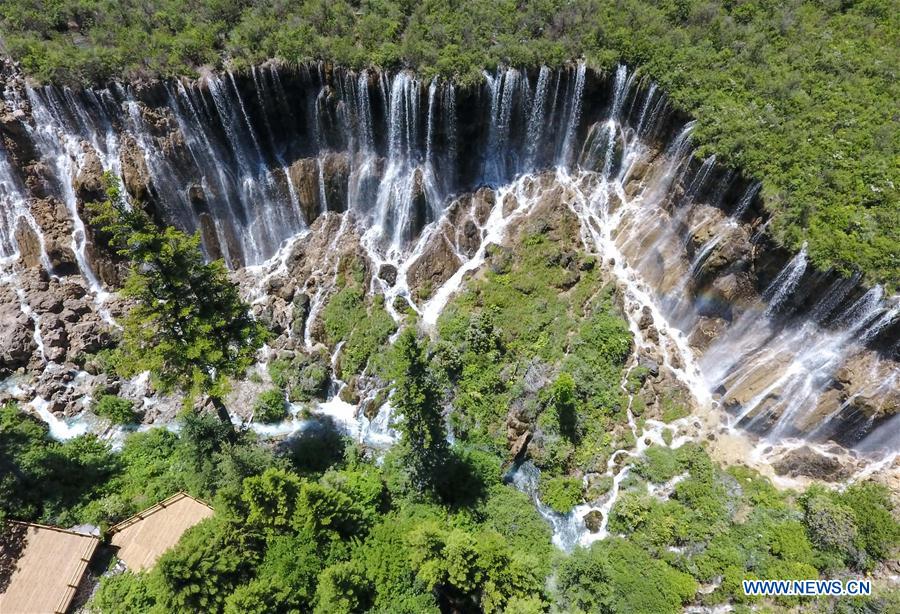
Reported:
(335, 177)
(17, 342)
(304, 175)
(436, 265)
(134, 169)
(388, 272)
(88, 183)
(593, 520)
(807, 462)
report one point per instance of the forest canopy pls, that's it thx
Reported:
(799, 94)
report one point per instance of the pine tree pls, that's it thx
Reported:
(189, 327)
(417, 399)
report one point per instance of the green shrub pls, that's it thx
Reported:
(270, 406)
(123, 593)
(831, 525)
(618, 577)
(879, 531)
(561, 493)
(115, 409)
(659, 464)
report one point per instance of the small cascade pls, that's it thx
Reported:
(746, 200)
(64, 151)
(786, 282)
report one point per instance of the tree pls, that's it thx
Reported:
(417, 399)
(342, 589)
(465, 568)
(271, 499)
(204, 568)
(189, 327)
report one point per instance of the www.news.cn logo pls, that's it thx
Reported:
(807, 587)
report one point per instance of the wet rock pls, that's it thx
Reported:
(209, 236)
(650, 364)
(646, 320)
(88, 338)
(388, 272)
(299, 314)
(482, 204)
(350, 392)
(705, 332)
(807, 462)
(468, 238)
(510, 204)
(436, 265)
(197, 197)
(726, 293)
(53, 219)
(304, 175)
(56, 340)
(88, 183)
(519, 447)
(13, 124)
(593, 520)
(135, 175)
(17, 342)
(29, 244)
(419, 201)
(335, 177)
(748, 385)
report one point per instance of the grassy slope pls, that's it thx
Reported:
(799, 94)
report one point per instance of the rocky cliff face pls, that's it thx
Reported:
(288, 173)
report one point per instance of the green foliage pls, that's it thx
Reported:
(659, 464)
(561, 493)
(43, 479)
(271, 499)
(482, 566)
(189, 327)
(257, 597)
(304, 378)
(124, 593)
(616, 576)
(203, 569)
(879, 530)
(341, 590)
(537, 316)
(831, 525)
(270, 406)
(364, 326)
(116, 409)
(417, 399)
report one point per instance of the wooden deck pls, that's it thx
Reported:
(144, 537)
(51, 563)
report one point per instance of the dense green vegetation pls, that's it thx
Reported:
(354, 535)
(188, 327)
(115, 409)
(538, 338)
(799, 94)
(270, 406)
(360, 322)
(317, 523)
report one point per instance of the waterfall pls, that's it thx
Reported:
(250, 160)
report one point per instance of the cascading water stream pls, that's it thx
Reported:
(252, 161)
